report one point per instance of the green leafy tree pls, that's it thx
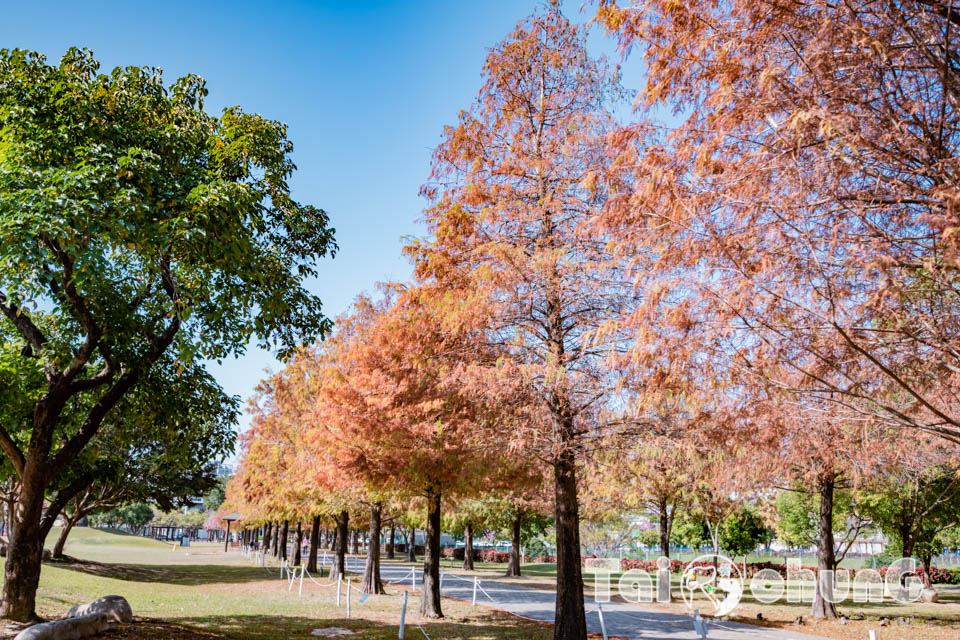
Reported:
(649, 538)
(690, 531)
(950, 538)
(133, 224)
(137, 515)
(469, 517)
(217, 494)
(538, 547)
(744, 531)
(915, 508)
(134, 516)
(798, 514)
(156, 446)
(520, 522)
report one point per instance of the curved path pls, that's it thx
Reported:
(621, 619)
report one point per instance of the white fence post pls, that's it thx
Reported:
(603, 627)
(474, 590)
(339, 582)
(348, 597)
(300, 592)
(403, 615)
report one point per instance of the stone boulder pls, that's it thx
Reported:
(47, 554)
(114, 607)
(928, 595)
(67, 629)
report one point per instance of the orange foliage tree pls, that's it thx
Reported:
(394, 416)
(804, 210)
(512, 185)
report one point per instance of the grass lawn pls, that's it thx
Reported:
(200, 592)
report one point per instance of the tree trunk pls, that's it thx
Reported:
(926, 560)
(391, 546)
(468, 547)
(283, 539)
(333, 539)
(296, 553)
(826, 561)
(412, 545)
(62, 540)
(570, 622)
(314, 544)
(8, 516)
(343, 521)
(356, 543)
(664, 529)
(513, 566)
(25, 551)
(430, 590)
(371, 574)
(276, 540)
(266, 537)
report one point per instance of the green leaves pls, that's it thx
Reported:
(743, 531)
(124, 175)
(150, 235)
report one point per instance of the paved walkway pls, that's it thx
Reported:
(621, 619)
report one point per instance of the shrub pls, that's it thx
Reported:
(492, 555)
(545, 559)
(460, 553)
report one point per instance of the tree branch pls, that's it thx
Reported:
(30, 332)
(13, 451)
(60, 501)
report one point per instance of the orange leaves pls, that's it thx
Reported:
(394, 415)
(801, 243)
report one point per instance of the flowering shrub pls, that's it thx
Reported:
(492, 555)
(649, 566)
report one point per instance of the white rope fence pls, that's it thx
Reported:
(299, 574)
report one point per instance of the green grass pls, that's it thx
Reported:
(202, 588)
(82, 537)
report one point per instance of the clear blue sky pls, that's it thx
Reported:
(365, 87)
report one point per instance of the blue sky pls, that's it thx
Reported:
(365, 87)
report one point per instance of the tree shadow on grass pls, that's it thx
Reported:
(155, 630)
(256, 627)
(178, 574)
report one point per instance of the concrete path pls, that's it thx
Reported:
(621, 619)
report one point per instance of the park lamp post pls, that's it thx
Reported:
(233, 517)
